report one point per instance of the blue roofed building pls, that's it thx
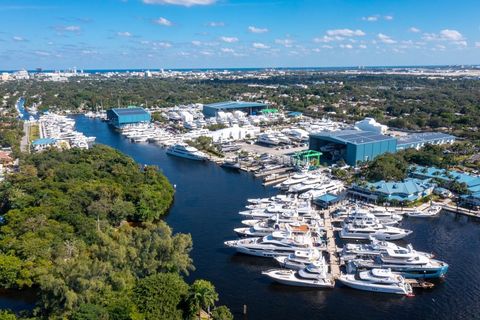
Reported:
(251, 108)
(353, 146)
(43, 143)
(121, 117)
(419, 140)
(472, 182)
(409, 190)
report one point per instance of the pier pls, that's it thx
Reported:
(331, 246)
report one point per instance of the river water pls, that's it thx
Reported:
(207, 200)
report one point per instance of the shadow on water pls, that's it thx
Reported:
(206, 204)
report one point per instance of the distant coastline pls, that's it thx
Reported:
(474, 66)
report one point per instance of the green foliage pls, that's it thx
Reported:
(89, 311)
(204, 143)
(222, 313)
(387, 167)
(7, 315)
(217, 126)
(82, 226)
(159, 296)
(201, 295)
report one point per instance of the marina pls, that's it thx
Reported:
(448, 229)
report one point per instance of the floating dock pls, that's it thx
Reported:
(331, 246)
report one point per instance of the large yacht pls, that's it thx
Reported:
(376, 248)
(299, 259)
(185, 151)
(314, 275)
(269, 139)
(377, 280)
(276, 244)
(366, 229)
(409, 265)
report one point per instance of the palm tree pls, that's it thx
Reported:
(201, 294)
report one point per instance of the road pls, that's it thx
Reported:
(25, 143)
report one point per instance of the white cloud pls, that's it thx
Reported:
(161, 44)
(414, 30)
(206, 53)
(186, 3)
(42, 53)
(18, 38)
(385, 39)
(229, 39)
(452, 35)
(214, 24)
(389, 18)
(370, 18)
(347, 33)
(196, 43)
(124, 34)
(477, 44)
(346, 46)
(327, 39)
(287, 43)
(71, 28)
(362, 46)
(259, 45)
(447, 35)
(163, 21)
(326, 46)
(254, 29)
(227, 50)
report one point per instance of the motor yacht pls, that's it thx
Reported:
(299, 259)
(376, 248)
(409, 265)
(185, 151)
(377, 280)
(429, 212)
(276, 244)
(315, 275)
(366, 229)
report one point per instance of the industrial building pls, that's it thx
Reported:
(419, 140)
(251, 108)
(121, 117)
(353, 146)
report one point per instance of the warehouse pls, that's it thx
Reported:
(419, 140)
(353, 146)
(251, 108)
(121, 117)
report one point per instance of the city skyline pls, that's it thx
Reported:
(115, 34)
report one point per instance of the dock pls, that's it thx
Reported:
(331, 246)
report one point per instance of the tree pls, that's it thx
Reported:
(387, 167)
(159, 296)
(201, 294)
(89, 311)
(222, 313)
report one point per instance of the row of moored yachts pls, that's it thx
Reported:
(287, 229)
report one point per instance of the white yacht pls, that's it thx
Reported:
(367, 229)
(295, 179)
(268, 138)
(299, 259)
(408, 264)
(429, 212)
(276, 244)
(377, 280)
(314, 275)
(364, 216)
(376, 248)
(185, 151)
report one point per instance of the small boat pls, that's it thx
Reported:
(314, 275)
(377, 280)
(231, 164)
(430, 212)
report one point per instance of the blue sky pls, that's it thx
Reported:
(57, 34)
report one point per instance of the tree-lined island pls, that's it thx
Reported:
(83, 229)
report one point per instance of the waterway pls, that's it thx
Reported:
(207, 200)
